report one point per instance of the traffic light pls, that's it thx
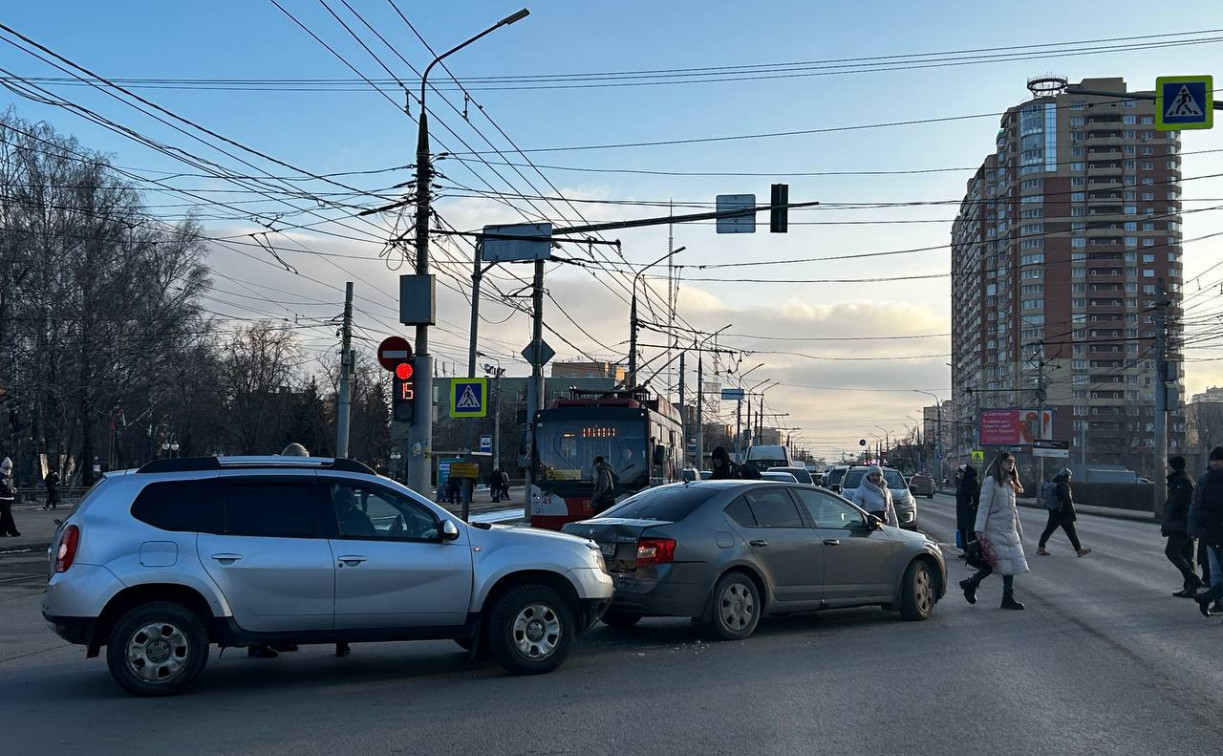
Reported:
(403, 394)
(779, 214)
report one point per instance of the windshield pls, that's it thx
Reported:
(853, 479)
(568, 447)
(671, 503)
(834, 476)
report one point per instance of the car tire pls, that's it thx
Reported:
(736, 607)
(621, 620)
(530, 630)
(157, 649)
(917, 592)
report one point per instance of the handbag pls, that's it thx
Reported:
(974, 556)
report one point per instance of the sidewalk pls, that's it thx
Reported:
(38, 527)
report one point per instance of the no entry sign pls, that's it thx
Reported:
(392, 351)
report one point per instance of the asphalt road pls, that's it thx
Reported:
(1104, 660)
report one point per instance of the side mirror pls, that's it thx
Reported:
(450, 531)
(873, 522)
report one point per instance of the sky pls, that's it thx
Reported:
(808, 335)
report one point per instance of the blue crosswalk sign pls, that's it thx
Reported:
(1184, 102)
(467, 397)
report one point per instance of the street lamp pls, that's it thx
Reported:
(938, 435)
(632, 319)
(421, 433)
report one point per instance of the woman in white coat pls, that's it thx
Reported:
(874, 496)
(999, 531)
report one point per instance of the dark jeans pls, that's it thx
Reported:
(1008, 581)
(1179, 551)
(1204, 561)
(1216, 564)
(1053, 524)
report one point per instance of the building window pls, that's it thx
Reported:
(1130, 210)
(1078, 166)
(1146, 151)
(1148, 166)
(1148, 288)
(1131, 241)
(1078, 181)
(1148, 121)
(1078, 196)
(1033, 304)
(1129, 149)
(1129, 120)
(1131, 225)
(1078, 211)
(1147, 243)
(1078, 303)
(1078, 242)
(1148, 273)
(1174, 165)
(1130, 180)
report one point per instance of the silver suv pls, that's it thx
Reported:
(159, 563)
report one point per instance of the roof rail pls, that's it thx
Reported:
(195, 464)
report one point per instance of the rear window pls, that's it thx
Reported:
(271, 509)
(191, 506)
(834, 476)
(671, 503)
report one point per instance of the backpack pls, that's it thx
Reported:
(1048, 497)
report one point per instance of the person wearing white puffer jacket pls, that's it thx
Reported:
(874, 496)
(999, 531)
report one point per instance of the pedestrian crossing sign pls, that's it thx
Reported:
(468, 397)
(1184, 102)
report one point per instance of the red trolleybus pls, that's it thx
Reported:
(638, 435)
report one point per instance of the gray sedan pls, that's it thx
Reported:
(730, 551)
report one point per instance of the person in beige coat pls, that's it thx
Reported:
(999, 531)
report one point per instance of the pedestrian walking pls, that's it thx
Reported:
(999, 531)
(8, 495)
(494, 485)
(1203, 551)
(1062, 514)
(1175, 527)
(875, 497)
(1209, 526)
(967, 499)
(504, 482)
(52, 484)
(604, 494)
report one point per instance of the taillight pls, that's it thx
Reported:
(68, 542)
(655, 551)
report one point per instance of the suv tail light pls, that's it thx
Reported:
(69, 540)
(655, 551)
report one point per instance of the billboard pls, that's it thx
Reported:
(1014, 427)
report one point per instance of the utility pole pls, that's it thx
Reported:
(700, 406)
(535, 389)
(683, 410)
(1161, 397)
(346, 367)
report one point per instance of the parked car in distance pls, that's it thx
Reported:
(902, 498)
(159, 563)
(690, 474)
(728, 552)
(922, 484)
(800, 474)
(764, 457)
(779, 475)
(832, 478)
(706, 474)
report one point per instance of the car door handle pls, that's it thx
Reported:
(831, 542)
(758, 542)
(350, 561)
(227, 558)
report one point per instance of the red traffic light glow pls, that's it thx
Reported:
(403, 371)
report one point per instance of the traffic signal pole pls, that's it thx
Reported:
(536, 388)
(344, 410)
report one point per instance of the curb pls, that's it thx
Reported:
(25, 547)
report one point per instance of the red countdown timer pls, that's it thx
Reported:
(599, 432)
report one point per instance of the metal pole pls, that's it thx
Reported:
(535, 397)
(683, 411)
(632, 338)
(700, 406)
(476, 277)
(344, 412)
(1161, 400)
(738, 426)
(497, 419)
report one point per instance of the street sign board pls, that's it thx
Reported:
(546, 353)
(737, 224)
(977, 457)
(1184, 102)
(733, 393)
(1051, 449)
(465, 470)
(1014, 427)
(392, 351)
(486, 443)
(468, 397)
(527, 241)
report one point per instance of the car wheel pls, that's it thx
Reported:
(530, 630)
(917, 599)
(157, 649)
(621, 619)
(736, 607)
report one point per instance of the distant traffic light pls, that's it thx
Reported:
(403, 394)
(779, 214)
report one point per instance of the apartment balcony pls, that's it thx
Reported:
(1104, 182)
(1104, 139)
(1109, 207)
(1103, 170)
(1117, 310)
(1104, 197)
(1107, 401)
(1104, 154)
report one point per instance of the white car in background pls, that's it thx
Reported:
(902, 497)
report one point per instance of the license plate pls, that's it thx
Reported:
(608, 549)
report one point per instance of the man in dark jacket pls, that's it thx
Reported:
(724, 469)
(967, 497)
(1179, 549)
(604, 495)
(1209, 527)
(1063, 517)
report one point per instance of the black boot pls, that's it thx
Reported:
(1203, 600)
(969, 586)
(1009, 602)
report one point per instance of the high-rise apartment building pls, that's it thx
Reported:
(1067, 236)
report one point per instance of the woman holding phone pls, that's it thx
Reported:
(999, 531)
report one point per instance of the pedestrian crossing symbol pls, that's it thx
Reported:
(1184, 102)
(467, 397)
